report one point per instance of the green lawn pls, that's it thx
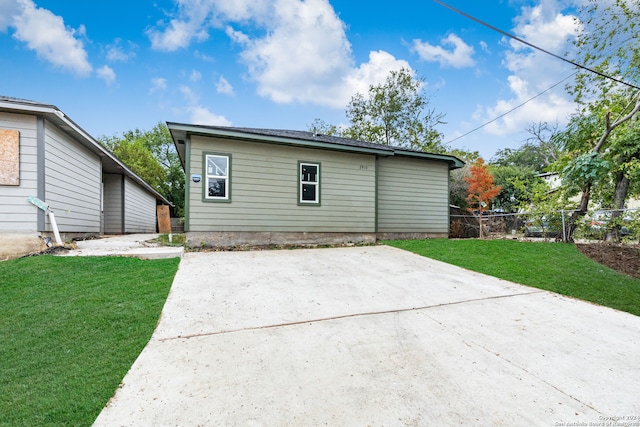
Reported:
(555, 267)
(70, 329)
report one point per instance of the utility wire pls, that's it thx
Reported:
(534, 46)
(511, 110)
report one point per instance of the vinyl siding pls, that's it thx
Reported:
(413, 196)
(264, 189)
(16, 213)
(139, 209)
(112, 208)
(73, 177)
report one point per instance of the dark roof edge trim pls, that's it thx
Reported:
(204, 131)
(454, 162)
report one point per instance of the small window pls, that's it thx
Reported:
(309, 183)
(217, 173)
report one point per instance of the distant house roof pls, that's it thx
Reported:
(110, 163)
(180, 132)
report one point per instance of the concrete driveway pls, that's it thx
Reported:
(374, 336)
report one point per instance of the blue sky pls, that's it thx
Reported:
(116, 66)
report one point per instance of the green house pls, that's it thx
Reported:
(257, 187)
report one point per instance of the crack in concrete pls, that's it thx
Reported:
(538, 378)
(346, 316)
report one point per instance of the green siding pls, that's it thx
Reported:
(413, 195)
(265, 190)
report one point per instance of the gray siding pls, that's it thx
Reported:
(112, 208)
(413, 196)
(73, 177)
(139, 209)
(16, 213)
(264, 190)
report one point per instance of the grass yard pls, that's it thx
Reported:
(555, 267)
(71, 327)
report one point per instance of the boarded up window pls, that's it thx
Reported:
(9, 157)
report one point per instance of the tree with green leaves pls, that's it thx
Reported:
(153, 157)
(319, 126)
(539, 151)
(396, 113)
(609, 45)
(517, 185)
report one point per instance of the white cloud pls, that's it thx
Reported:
(107, 74)
(117, 53)
(179, 33)
(200, 115)
(460, 56)
(47, 35)
(374, 71)
(224, 87)
(543, 27)
(533, 72)
(551, 108)
(8, 10)
(158, 84)
(295, 51)
(195, 76)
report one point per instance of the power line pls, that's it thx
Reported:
(534, 46)
(511, 110)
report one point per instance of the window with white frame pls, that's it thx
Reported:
(309, 183)
(217, 177)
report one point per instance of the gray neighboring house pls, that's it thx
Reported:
(275, 187)
(46, 155)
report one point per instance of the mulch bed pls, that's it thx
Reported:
(623, 258)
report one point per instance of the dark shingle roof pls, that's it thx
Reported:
(301, 136)
(180, 131)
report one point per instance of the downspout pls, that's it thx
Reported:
(187, 181)
(448, 202)
(122, 207)
(376, 196)
(40, 155)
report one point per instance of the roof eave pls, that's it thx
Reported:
(454, 162)
(57, 117)
(184, 130)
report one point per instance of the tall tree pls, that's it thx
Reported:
(481, 189)
(397, 113)
(321, 127)
(609, 44)
(540, 150)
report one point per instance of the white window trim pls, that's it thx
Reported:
(315, 183)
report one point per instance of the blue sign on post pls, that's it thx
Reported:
(39, 203)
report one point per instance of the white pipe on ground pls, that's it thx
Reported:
(54, 227)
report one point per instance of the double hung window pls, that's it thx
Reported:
(217, 177)
(309, 190)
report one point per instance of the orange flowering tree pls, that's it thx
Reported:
(482, 189)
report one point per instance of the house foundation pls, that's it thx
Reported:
(225, 240)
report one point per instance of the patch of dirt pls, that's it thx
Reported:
(622, 258)
(53, 250)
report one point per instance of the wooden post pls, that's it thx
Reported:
(164, 219)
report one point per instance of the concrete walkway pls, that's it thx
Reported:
(374, 336)
(131, 245)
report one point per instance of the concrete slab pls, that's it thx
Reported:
(131, 245)
(374, 336)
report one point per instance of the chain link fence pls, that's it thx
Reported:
(597, 225)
